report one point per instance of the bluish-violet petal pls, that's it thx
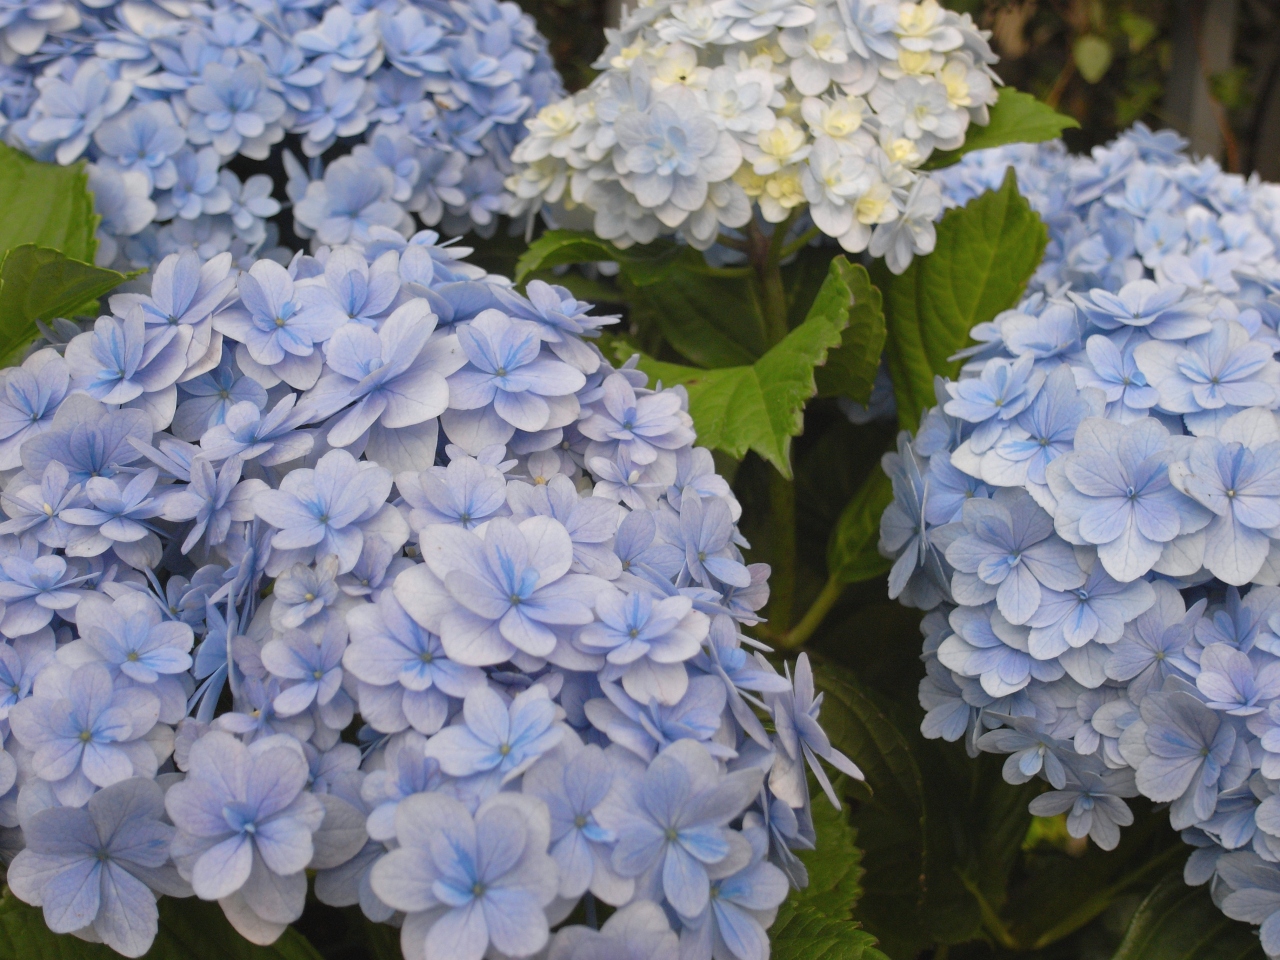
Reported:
(284, 843)
(223, 868)
(73, 897)
(487, 717)
(105, 764)
(275, 777)
(128, 919)
(516, 922)
(295, 699)
(459, 934)
(684, 881)
(740, 931)
(526, 634)
(640, 843)
(576, 862)
(1019, 595)
(460, 753)
(481, 596)
(1105, 519)
(402, 880)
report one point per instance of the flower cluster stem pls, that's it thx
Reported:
(813, 617)
(764, 251)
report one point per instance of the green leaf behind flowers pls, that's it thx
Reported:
(710, 315)
(814, 923)
(760, 407)
(850, 369)
(190, 929)
(1178, 922)
(37, 283)
(46, 204)
(987, 250)
(1016, 117)
(852, 555)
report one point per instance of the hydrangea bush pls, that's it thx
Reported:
(1090, 513)
(711, 111)
(373, 567)
(160, 98)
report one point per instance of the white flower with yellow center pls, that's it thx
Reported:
(778, 147)
(927, 26)
(783, 192)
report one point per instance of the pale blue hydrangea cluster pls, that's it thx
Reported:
(710, 111)
(374, 567)
(160, 97)
(1091, 513)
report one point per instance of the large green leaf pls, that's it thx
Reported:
(190, 929)
(37, 283)
(1016, 117)
(891, 814)
(46, 204)
(940, 832)
(1177, 922)
(852, 555)
(711, 316)
(814, 923)
(987, 250)
(761, 407)
(850, 369)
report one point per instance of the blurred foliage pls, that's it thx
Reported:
(575, 29)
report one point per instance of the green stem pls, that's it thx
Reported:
(799, 243)
(782, 580)
(813, 617)
(764, 254)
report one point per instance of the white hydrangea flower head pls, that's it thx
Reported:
(828, 108)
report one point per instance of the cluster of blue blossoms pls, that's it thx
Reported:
(374, 567)
(1091, 514)
(161, 96)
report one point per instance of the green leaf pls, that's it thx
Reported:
(712, 317)
(1178, 922)
(850, 370)
(46, 204)
(1092, 55)
(987, 250)
(760, 407)
(190, 929)
(852, 555)
(815, 922)
(557, 248)
(1016, 117)
(891, 817)
(37, 283)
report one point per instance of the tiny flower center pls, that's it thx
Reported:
(504, 749)
(580, 821)
(318, 674)
(86, 736)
